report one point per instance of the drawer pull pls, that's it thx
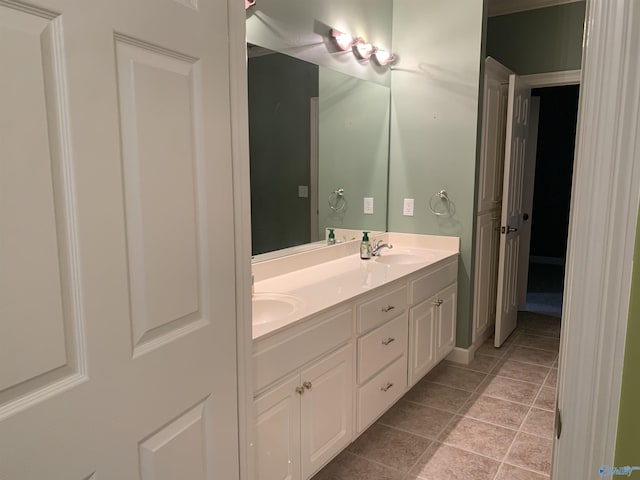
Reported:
(299, 390)
(388, 308)
(437, 303)
(307, 385)
(388, 340)
(386, 387)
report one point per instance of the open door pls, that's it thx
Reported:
(512, 207)
(117, 289)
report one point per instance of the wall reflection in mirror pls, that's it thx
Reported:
(312, 132)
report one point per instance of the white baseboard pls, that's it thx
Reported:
(466, 355)
(461, 355)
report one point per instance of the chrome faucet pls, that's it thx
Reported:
(375, 251)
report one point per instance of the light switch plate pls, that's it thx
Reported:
(368, 205)
(303, 191)
(407, 208)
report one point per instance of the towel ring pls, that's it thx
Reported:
(337, 202)
(444, 198)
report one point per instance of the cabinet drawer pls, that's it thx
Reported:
(381, 392)
(287, 351)
(382, 346)
(428, 285)
(382, 308)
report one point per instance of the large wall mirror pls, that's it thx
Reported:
(318, 138)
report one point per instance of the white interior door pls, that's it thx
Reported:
(117, 318)
(511, 219)
(527, 201)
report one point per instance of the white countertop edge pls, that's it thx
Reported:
(316, 303)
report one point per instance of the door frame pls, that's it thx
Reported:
(602, 235)
(538, 80)
(239, 101)
(314, 162)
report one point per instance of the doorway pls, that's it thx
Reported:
(551, 191)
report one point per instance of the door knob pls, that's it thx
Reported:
(508, 229)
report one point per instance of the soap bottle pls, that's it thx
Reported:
(331, 240)
(365, 246)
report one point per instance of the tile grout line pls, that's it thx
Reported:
(375, 462)
(523, 422)
(505, 460)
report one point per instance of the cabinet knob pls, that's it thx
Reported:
(386, 387)
(388, 340)
(307, 385)
(299, 390)
(388, 308)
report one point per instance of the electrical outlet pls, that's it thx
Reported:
(368, 205)
(407, 208)
(303, 191)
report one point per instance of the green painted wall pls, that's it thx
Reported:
(434, 121)
(300, 28)
(353, 150)
(542, 40)
(279, 144)
(628, 441)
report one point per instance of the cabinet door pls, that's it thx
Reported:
(326, 409)
(446, 321)
(277, 434)
(421, 339)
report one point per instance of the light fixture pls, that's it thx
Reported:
(343, 40)
(382, 57)
(362, 49)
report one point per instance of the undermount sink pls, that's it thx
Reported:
(401, 258)
(268, 307)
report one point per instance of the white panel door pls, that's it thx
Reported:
(446, 321)
(277, 432)
(326, 416)
(487, 245)
(117, 318)
(512, 208)
(422, 341)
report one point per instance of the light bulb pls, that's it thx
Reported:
(383, 57)
(363, 49)
(343, 40)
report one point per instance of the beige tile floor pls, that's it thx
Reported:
(490, 420)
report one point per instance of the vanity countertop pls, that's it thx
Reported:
(281, 298)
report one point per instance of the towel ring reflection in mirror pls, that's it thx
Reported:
(337, 202)
(445, 209)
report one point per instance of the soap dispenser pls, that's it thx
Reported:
(331, 240)
(365, 246)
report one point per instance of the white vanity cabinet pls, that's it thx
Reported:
(432, 319)
(382, 353)
(306, 417)
(321, 381)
